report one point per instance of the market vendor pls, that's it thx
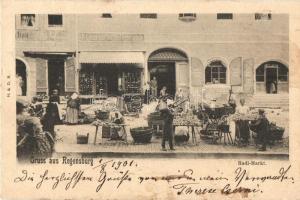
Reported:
(242, 126)
(73, 109)
(116, 117)
(262, 127)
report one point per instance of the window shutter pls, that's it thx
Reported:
(248, 72)
(70, 75)
(197, 75)
(41, 75)
(236, 71)
(182, 74)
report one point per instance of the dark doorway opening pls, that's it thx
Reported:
(271, 80)
(56, 76)
(21, 77)
(164, 72)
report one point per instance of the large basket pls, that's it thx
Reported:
(141, 134)
(102, 115)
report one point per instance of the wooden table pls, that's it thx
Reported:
(194, 139)
(97, 125)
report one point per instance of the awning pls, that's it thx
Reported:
(167, 55)
(111, 57)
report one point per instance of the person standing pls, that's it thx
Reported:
(262, 127)
(53, 103)
(147, 92)
(73, 108)
(19, 85)
(153, 85)
(242, 126)
(168, 134)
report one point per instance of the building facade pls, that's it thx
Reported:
(109, 54)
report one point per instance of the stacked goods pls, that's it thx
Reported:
(248, 117)
(186, 120)
(141, 134)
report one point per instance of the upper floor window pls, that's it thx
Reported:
(28, 20)
(148, 15)
(224, 16)
(106, 15)
(55, 20)
(263, 16)
(215, 73)
(187, 17)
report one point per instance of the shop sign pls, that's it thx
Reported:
(110, 37)
(28, 35)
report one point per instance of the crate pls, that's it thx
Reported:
(82, 139)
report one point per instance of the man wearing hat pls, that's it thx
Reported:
(262, 127)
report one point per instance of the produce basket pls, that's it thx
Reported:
(141, 134)
(276, 132)
(82, 139)
(102, 115)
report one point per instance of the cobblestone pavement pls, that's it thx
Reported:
(66, 135)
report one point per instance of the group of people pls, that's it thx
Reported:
(36, 128)
(243, 126)
(150, 90)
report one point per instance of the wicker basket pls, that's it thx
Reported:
(141, 134)
(102, 115)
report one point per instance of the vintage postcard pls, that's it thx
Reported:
(150, 99)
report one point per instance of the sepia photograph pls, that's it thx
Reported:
(152, 85)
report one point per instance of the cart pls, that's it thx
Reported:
(216, 106)
(215, 123)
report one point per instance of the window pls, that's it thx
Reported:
(215, 73)
(282, 73)
(263, 16)
(148, 15)
(224, 16)
(55, 20)
(28, 20)
(106, 15)
(187, 17)
(260, 74)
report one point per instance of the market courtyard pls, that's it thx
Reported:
(67, 141)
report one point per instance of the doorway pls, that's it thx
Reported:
(164, 64)
(56, 76)
(21, 78)
(272, 77)
(271, 80)
(164, 72)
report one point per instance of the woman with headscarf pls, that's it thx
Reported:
(31, 140)
(73, 108)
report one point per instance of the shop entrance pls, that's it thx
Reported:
(164, 73)
(272, 78)
(169, 67)
(21, 78)
(56, 76)
(106, 80)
